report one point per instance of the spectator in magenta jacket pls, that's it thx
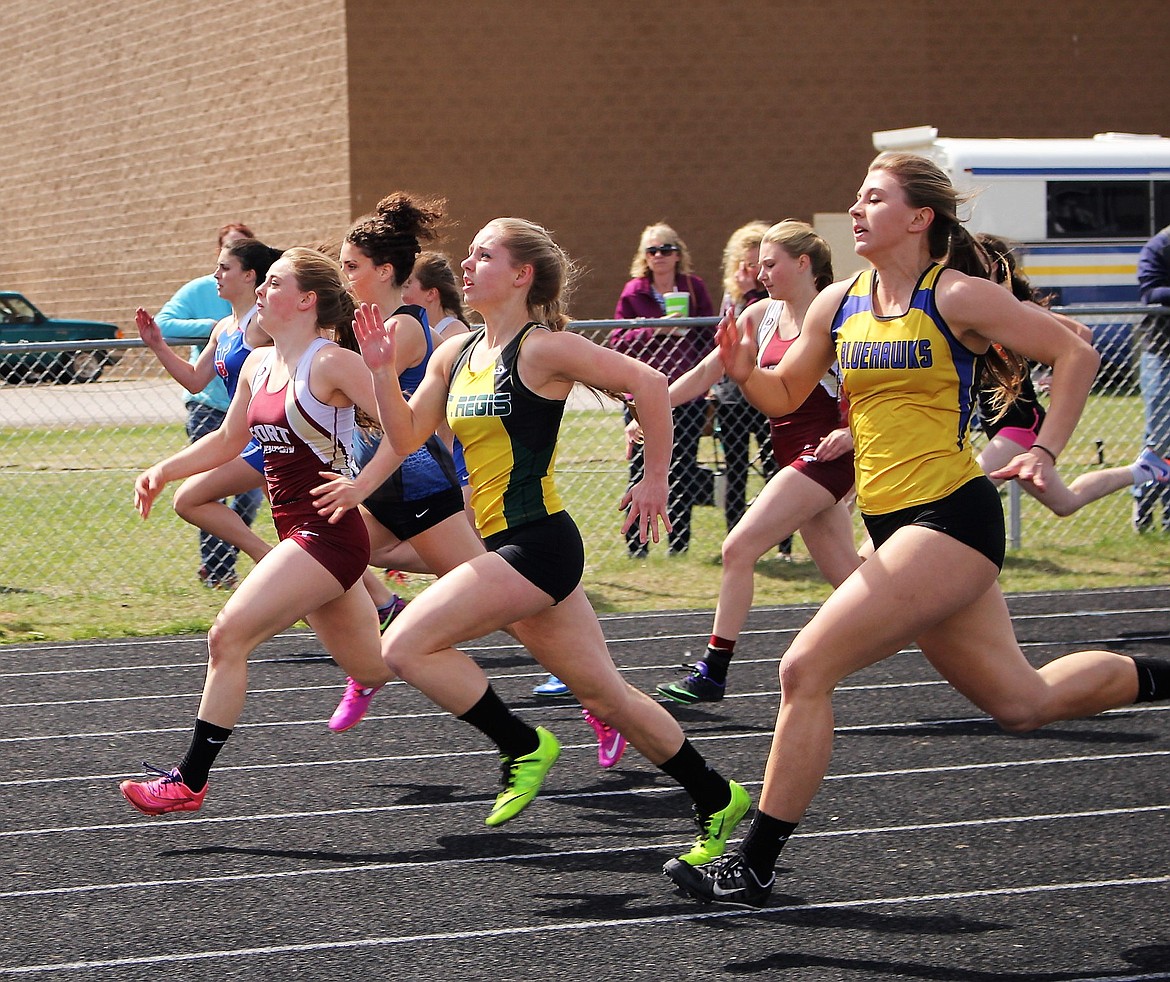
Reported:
(662, 265)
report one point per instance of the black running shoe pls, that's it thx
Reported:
(725, 881)
(696, 687)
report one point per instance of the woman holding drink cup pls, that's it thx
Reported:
(662, 285)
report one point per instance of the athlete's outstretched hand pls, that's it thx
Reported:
(646, 504)
(148, 329)
(376, 338)
(336, 496)
(737, 350)
(146, 489)
(1030, 467)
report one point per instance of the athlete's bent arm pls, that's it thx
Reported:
(206, 453)
(406, 425)
(980, 314)
(343, 375)
(778, 391)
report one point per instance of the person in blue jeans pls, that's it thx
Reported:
(190, 315)
(1153, 276)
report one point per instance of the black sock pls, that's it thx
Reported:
(206, 742)
(498, 723)
(762, 844)
(716, 661)
(1153, 678)
(706, 786)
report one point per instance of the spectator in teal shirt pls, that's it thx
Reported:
(190, 315)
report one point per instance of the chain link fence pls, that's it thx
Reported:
(79, 421)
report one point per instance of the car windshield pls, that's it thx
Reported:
(15, 310)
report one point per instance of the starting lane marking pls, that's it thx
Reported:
(455, 754)
(841, 689)
(171, 956)
(139, 825)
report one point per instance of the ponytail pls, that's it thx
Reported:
(965, 254)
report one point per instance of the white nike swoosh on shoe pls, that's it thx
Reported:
(611, 749)
(718, 891)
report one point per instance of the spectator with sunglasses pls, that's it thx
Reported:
(662, 265)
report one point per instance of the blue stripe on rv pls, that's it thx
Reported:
(1089, 294)
(1082, 250)
(1065, 171)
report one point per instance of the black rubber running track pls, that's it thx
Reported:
(939, 847)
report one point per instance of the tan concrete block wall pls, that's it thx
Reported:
(134, 130)
(597, 119)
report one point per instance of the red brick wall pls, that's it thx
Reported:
(134, 130)
(598, 119)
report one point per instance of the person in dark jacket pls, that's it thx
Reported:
(1153, 274)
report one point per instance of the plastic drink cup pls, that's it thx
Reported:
(677, 304)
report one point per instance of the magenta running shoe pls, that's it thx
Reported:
(352, 707)
(610, 743)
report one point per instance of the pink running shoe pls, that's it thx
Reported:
(166, 793)
(352, 707)
(610, 743)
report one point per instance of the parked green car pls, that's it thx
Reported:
(22, 323)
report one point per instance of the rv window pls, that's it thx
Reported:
(1161, 205)
(1098, 209)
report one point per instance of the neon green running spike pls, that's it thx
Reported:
(716, 829)
(522, 778)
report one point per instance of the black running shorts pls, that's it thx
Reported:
(972, 514)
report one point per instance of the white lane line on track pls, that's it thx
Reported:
(47, 649)
(107, 734)
(51, 649)
(171, 956)
(673, 666)
(336, 688)
(319, 657)
(861, 728)
(663, 846)
(429, 757)
(150, 826)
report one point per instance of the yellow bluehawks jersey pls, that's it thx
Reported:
(911, 389)
(509, 437)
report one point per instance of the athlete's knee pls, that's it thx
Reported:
(737, 551)
(185, 502)
(396, 659)
(613, 703)
(400, 656)
(225, 645)
(1017, 717)
(802, 674)
(181, 505)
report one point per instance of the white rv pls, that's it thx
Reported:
(1081, 209)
